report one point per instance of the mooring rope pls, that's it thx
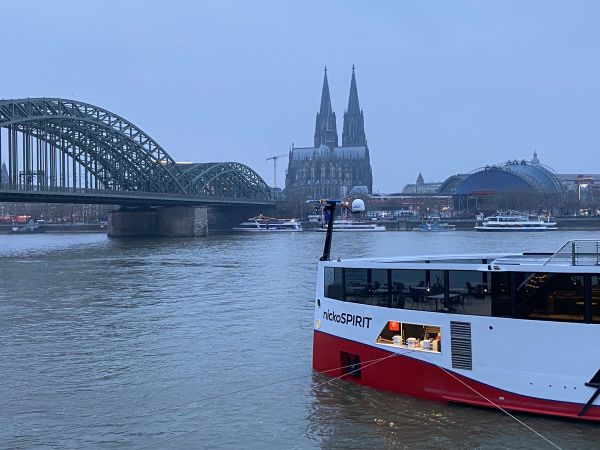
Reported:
(180, 405)
(500, 408)
(491, 402)
(362, 366)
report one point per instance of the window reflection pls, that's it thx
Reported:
(595, 298)
(534, 296)
(551, 296)
(408, 288)
(469, 293)
(356, 285)
(334, 287)
(501, 294)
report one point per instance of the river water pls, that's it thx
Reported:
(206, 343)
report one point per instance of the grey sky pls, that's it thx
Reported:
(446, 86)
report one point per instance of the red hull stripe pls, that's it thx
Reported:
(410, 376)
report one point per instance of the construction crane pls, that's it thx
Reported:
(275, 158)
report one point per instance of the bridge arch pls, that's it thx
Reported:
(57, 144)
(76, 140)
(227, 179)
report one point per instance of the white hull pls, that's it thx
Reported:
(516, 228)
(378, 228)
(514, 222)
(267, 230)
(263, 224)
(347, 225)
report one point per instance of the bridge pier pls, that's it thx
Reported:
(178, 221)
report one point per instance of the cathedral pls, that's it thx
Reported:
(328, 170)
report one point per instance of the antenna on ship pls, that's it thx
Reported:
(328, 207)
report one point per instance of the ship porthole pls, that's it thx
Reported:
(319, 302)
(318, 324)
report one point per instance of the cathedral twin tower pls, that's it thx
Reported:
(327, 170)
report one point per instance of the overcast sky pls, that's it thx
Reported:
(445, 86)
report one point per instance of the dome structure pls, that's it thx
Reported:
(511, 184)
(511, 177)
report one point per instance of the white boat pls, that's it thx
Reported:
(516, 332)
(435, 226)
(515, 222)
(263, 223)
(353, 225)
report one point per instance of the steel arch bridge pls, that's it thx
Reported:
(229, 179)
(56, 146)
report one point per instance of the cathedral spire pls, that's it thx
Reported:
(325, 98)
(353, 105)
(354, 124)
(325, 126)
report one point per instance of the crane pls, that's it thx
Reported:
(275, 158)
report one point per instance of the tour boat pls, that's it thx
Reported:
(435, 226)
(517, 331)
(352, 225)
(269, 224)
(515, 222)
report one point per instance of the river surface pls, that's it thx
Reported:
(206, 343)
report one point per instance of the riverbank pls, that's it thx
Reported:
(65, 228)
(564, 223)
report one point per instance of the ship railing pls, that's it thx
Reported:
(577, 252)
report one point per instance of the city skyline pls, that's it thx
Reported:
(445, 88)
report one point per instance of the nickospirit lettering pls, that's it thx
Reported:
(347, 318)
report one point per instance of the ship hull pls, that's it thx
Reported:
(402, 374)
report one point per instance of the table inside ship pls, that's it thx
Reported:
(453, 298)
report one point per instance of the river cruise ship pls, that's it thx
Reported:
(269, 224)
(512, 331)
(515, 222)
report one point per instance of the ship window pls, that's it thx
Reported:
(501, 294)
(412, 336)
(418, 289)
(356, 285)
(334, 287)
(379, 289)
(468, 293)
(550, 296)
(595, 298)
(408, 288)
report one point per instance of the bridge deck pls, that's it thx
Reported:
(123, 198)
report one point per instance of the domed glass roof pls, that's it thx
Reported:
(513, 176)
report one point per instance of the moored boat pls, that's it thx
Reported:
(263, 223)
(515, 331)
(515, 222)
(353, 225)
(435, 226)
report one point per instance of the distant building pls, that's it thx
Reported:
(420, 187)
(513, 184)
(526, 185)
(575, 182)
(326, 169)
